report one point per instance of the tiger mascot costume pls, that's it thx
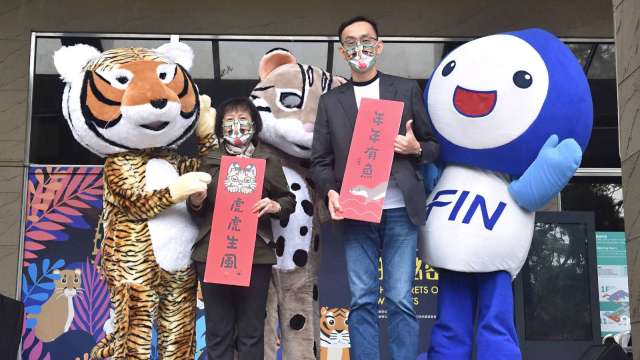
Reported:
(134, 106)
(287, 97)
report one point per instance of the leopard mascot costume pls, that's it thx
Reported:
(134, 106)
(287, 97)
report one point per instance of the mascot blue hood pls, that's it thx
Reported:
(495, 100)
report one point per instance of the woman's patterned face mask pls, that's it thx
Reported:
(237, 131)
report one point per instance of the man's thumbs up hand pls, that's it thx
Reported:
(407, 144)
(409, 128)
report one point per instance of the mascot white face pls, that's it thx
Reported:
(130, 98)
(287, 98)
(474, 93)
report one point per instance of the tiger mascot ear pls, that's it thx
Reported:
(179, 53)
(273, 59)
(70, 60)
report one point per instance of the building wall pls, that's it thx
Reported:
(18, 18)
(626, 15)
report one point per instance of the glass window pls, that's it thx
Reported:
(599, 62)
(44, 56)
(603, 65)
(410, 60)
(240, 59)
(51, 141)
(124, 43)
(582, 51)
(602, 195)
(557, 264)
(202, 49)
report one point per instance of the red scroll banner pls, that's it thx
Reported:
(234, 226)
(370, 158)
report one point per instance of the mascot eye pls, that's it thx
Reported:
(331, 322)
(447, 69)
(291, 100)
(118, 78)
(522, 79)
(166, 72)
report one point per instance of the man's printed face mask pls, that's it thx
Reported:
(360, 54)
(237, 130)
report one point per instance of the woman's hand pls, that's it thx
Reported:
(266, 206)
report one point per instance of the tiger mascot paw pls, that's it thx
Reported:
(188, 184)
(207, 118)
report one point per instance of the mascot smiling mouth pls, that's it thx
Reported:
(473, 103)
(155, 125)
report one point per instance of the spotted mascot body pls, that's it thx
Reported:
(133, 106)
(287, 98)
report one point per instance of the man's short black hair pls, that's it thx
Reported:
(354, 20)
(239, 103)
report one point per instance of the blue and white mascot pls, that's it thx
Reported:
(513, 115)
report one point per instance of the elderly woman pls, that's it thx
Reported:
(235, 315)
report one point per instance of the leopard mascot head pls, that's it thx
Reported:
(129, 98)
(287, 98)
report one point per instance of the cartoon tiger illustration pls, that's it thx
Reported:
(287, 97)
(240, 180)
(334, 334)
(134, 106)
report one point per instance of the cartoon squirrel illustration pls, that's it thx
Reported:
(57, 313)
(370, 194)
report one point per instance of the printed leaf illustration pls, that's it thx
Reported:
(57, 199)
(37, 287)
(61, 208)
(32, 347)
(92, 305)
(200, 335)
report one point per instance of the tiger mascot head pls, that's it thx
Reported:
(129, 98)
(334, 327)
(287, 97)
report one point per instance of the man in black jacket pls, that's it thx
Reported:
(395, 237)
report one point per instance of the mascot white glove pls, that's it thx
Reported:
(187, 184)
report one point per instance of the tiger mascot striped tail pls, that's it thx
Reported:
(134, 106)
